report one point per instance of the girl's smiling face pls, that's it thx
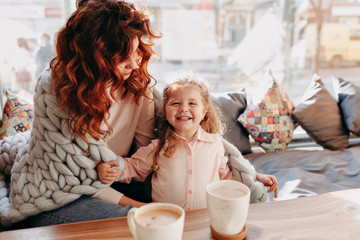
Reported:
(184, 110)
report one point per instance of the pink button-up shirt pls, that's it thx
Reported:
(181, 179)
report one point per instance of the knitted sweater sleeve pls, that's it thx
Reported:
(109, 195)
(52, 167)
(245, 172)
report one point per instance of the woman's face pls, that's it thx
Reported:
(131, 63)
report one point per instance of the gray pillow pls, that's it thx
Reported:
(349, 103)
(319, 115)
(232, 104)
(158, 102)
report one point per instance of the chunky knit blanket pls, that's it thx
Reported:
(245, 172)
(48, 167)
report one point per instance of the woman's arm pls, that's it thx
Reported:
(111, 195)
(124, 201)
(145, 128)
(225, 172)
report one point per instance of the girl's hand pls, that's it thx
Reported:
(106, 173)
(269, 181)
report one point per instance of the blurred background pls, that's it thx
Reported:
(230, 42)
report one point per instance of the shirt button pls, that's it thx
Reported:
(190, 192)
(190, 171)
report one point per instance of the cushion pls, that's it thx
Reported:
(349, 103)
(17, 116)
(232, 104)
(319, 115)
(269, 118)
(158, 102)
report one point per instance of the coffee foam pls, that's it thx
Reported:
(157, 217)
(228, 192)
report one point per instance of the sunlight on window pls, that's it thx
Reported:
(230, 42)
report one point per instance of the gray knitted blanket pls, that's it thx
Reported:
(48, 167)
(245, 172)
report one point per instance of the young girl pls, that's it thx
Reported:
(188, 154)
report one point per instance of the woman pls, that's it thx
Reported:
(99, 90)
(115, 58)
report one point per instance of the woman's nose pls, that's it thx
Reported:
(131, 64)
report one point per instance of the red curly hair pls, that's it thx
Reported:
(97, 37)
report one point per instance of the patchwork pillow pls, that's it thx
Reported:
(349, 103)
(319, 115)
(17, 116)
(269, 119)
(232, 104)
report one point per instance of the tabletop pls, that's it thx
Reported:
(334, 215)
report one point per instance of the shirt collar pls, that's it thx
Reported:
(200, 135)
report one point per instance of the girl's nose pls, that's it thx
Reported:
(183, 108)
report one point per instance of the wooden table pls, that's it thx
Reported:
(334, 215)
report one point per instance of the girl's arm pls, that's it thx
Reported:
(137, 167)
(106, 173)
(269, 181)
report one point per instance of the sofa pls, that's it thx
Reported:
(315, 147)
(311, 148)
(308, 172)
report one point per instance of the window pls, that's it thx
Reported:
(355, 34)
(230, 42)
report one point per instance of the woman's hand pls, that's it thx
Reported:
(124, 201)
(269, 181)
(106, 173)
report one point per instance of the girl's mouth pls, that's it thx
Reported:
(183, 118)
